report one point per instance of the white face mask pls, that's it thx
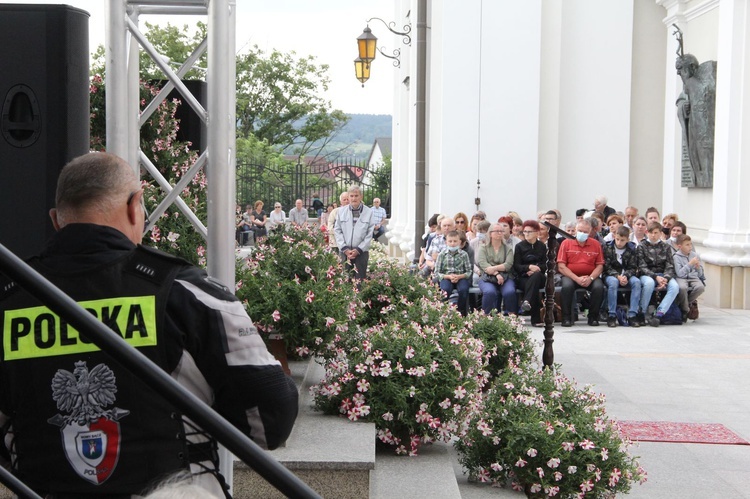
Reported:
(581, 237)
(453, 249)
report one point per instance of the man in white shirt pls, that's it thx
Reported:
(298, 215)
(379, 217)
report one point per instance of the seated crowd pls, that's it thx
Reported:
(605, 253)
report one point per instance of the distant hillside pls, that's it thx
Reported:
(356, 138)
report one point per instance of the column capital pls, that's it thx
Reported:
(679, 13)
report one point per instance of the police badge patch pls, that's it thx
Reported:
(90, 432)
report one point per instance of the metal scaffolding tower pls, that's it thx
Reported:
(124, 41)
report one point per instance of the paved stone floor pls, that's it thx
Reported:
(695, 373)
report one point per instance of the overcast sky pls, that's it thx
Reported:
(326, 29)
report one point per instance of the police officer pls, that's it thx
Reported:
(77, 424)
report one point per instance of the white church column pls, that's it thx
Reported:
(727, 256)
(402, 204)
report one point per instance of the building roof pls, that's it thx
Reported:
(384, 143)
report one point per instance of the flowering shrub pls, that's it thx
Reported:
(416, 382)
(292, 286)
(537, 429)
(390, 290)
(504, 338)
(172, 232)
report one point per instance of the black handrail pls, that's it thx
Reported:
(17, 486)
(229, 436)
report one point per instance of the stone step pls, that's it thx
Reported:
(332, 455)
(430, 474)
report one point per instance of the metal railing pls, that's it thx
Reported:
(285, 183)
(114, 345)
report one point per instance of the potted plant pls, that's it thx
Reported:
(537, 430)
(296, 291)
(416, 380)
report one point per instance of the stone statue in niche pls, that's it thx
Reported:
(696, 111)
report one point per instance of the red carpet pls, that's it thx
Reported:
(685, 433)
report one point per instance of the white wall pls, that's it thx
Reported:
(484, 115)
(594, 104)
(647, 102)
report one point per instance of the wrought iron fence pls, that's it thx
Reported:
(305, 179)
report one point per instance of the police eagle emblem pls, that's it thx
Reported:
(90, 432)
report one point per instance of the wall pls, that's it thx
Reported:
(647, 102)
(487, 112)
(594, 104)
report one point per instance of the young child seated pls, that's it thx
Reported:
(656, 266)
(620, 269)
(453, 270)
(690, 277)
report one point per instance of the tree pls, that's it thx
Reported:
(279, 100)
(279, 96)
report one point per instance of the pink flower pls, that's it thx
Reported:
(155, 234)
(484, 428)
(553, 463)
(535, 488)
(276, 316)
(409, 352)
(330, 321)
(388, 416)
(201, 251)
(459, 392)
(363, 385)
(552, 491)
(605, 454)
(520, 463)
(568, 446)
(310, 296)
(614, 477)
(599, 426)
(531, 452)
(587, 444)
(586, 486)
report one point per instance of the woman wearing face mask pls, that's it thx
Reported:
(529, 262)
(495, 259)
(477, 217)
(676, 231)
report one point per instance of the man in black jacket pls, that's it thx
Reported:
(77, 423)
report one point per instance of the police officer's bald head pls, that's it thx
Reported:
(94, 188)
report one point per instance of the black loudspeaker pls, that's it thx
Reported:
(192, 129)
(44, 87)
